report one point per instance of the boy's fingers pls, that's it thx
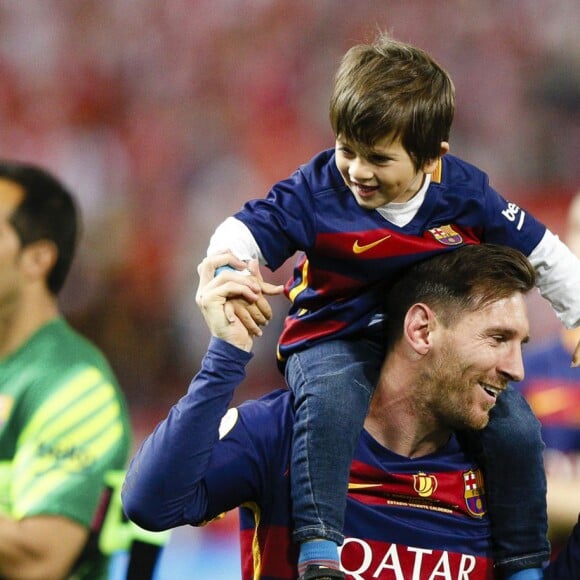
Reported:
(229, 312)
(246, 318)
(271, 289)
(262, 309)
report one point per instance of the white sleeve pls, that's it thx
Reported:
(558, 281)
(234, 235)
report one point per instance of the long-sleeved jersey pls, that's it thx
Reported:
(406, 518)
(349, 256)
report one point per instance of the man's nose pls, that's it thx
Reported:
(512, 364)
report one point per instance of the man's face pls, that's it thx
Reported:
(385, 175)
(10, 248)
(474, 359)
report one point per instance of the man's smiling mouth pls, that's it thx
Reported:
(492, 390)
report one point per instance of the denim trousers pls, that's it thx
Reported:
(511, 452)
(333, 383)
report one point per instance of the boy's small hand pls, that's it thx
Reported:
(251, 314)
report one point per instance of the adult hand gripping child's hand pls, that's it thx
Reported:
(233, 302)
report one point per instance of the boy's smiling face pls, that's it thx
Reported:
(384, 175)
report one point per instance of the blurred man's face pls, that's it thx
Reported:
(10, 248)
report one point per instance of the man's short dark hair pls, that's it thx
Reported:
(47, 212)
(458, 281)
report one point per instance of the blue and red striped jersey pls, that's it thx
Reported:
(349, 255)
(406, 518)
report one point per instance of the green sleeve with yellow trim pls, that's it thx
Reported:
(63, 425)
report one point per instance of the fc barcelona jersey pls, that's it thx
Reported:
(349, 256)
(405, 518)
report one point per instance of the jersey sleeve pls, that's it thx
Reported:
(284, 222)
(507, 224)
(71, 440)
(558, 272)
(203, 459)
(165, 486)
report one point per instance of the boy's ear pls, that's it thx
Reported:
(431, 165)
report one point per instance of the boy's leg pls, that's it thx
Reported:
(332, 385)
(515, 483)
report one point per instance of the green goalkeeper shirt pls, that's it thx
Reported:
(63, 425)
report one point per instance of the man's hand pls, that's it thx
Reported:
(230, 322)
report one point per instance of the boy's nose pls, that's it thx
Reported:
(359, 170)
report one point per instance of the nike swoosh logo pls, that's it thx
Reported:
(357, 249)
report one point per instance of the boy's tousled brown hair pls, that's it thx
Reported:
(390, 88)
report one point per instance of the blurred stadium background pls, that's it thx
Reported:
(166, 116)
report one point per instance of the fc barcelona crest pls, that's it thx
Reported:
(474, 493)
(446, 235)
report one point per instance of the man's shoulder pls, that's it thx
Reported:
(268, 419)
(66, 348)
(275, 406)
(59, 359)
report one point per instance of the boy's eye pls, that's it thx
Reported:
(347, 152)
(379, 159)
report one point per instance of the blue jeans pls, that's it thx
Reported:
(510, 450)
(332, 384)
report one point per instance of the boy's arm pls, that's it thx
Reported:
(233, 235)
(559, 280)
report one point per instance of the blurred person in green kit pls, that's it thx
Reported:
(64, 426)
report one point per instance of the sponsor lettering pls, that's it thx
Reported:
(362, 560)
(511, 214)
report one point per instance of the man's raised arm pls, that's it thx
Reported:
(163, 485)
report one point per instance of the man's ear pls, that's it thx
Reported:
(420, 321)
(39, 258)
